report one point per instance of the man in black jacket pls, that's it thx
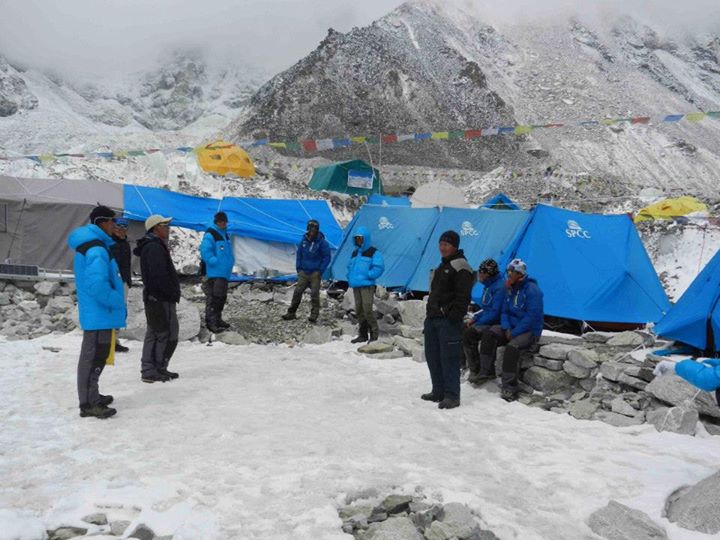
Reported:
(122, 255)
(161, 293)
(450, 287)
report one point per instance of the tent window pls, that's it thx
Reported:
(216, 156)
(3, 217)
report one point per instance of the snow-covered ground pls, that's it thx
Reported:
(266, 442)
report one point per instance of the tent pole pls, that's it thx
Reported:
(17, 226)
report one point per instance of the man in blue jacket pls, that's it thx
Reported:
(521, 324)
(311, 260)
(101, 303)
(365, 266)
(491, 303)
(218, 260)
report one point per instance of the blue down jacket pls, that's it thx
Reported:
(704, 374)
(366, 263)
(523, 308)
(312, 255)
(217, 254)
(100, 290)
(491, 303)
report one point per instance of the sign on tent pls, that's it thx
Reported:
(360, 179)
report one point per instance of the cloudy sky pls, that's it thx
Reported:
(103, 37)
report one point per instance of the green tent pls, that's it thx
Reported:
(352, 177)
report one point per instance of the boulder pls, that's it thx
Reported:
(596, 337)
(66, 533)
(612, 370)
(618, 420)
(408, 346)
(376, 347)
(632, 382)
(419, 356)
(231, 338)
(96, 519)
(411, 332)
(547, 381)
(556, 351)
(698, 507)
(583, 409)
(142, 532)
(618, 405)
(4, 299)
(584, 358)
(412, 312)
(395, 528)
(348, 301)
(619, 522)
(626, 339)
(46, 288)
(392, 355)
(117, 528)
(388, 307)
(456, 521)
(676, 391)
(576, 371)
(393, 504)
(188, 317)
(681, 420)
(317, 335)
(548, 363)
(60, 305)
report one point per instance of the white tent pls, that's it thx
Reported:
(438, 193)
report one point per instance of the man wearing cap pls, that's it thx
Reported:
(450, 287)
(122, 254)
(311, 260)
(101, 303)
(218, 260)
(491, 303)
(520, 327)
(161, 293)
(366, 264)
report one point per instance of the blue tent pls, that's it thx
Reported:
(271, 220)
(399, 233)
(500, 202)
(695, 318)
(384, 200)
(591, 267)
(483, 234)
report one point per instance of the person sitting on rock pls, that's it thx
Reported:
(491, 305)
(520, 327)
(311, 260)
(365, 266)
(703, 373)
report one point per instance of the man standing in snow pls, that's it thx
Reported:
(121, 253)
(311, 261)
(364, 267)
(161, 293)
(218, 259)
(101, 303)
(491, 303)
(450, 286)
(520, 327)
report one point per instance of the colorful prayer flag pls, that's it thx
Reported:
(522, 130)
(440, 135)
(473, 134)
(695, 117)
(309, 145)
(392, 138)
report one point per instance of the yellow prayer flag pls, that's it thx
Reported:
(522, 130)
(440, 135)
(695, 117)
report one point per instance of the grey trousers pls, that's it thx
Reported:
(493, 337)
(94, 351)
(364, 297)
(471, 339)
(161, 336)
(304, 281)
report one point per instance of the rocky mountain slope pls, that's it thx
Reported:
(430, 66)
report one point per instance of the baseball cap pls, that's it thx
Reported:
(156, 219)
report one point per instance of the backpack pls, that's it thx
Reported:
(202, 271)
(82, 249)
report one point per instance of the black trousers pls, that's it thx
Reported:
(215, 290)
(471, 340)
(94, 352)
(161, 337)
(443, 354)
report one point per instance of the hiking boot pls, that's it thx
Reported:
(169, 374)
(106, 400)
(359, 339)
(373, 337)
(120, 348)
(153, 378)
(289, 316)
(97, 411)
(312, 319)
(508, 395)
(479, 379)
(431, 397)
(215, 329)
(449, 403)
(223, 324)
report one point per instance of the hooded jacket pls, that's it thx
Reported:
(366, 263)
(491, 303)
(100, 291)
(160, 279)
(451, 284)
(121, 252)
(312, 255)
(704, 375)
(523, 308)
(217, 254)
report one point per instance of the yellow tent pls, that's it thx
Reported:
(222, 157)
(670, 208)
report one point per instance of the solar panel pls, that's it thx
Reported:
(19, 269)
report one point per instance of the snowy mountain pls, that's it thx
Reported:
(429, 66)
(43, 112)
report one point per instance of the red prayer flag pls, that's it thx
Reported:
(389, 138)
(310, 145)
(640, 120)
(473, 133)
